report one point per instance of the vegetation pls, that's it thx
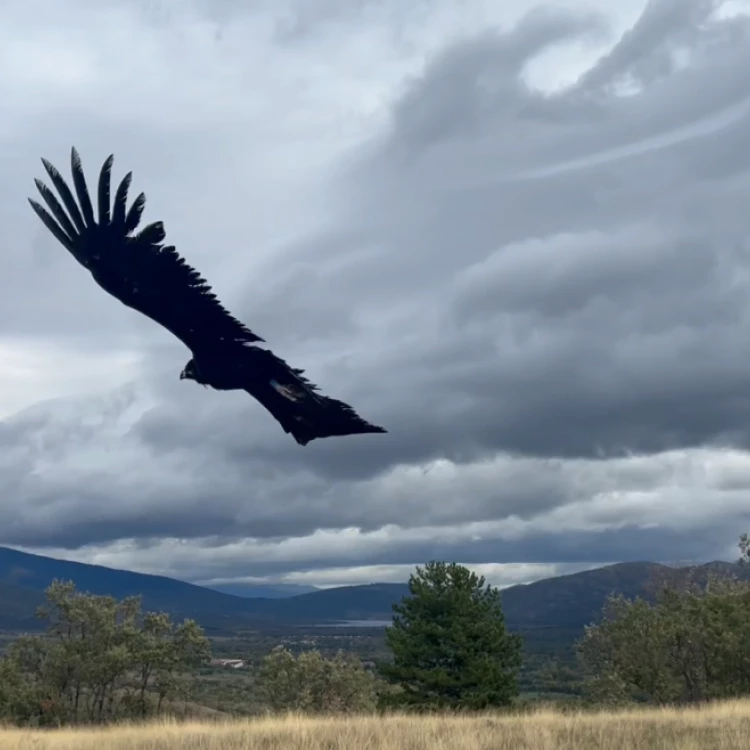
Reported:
(564, 603)
(691, 644)
(450, 646)
(313, 684)
(99, 660)
(714, 727)
(682, 638)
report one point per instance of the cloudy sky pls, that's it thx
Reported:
(518, 236)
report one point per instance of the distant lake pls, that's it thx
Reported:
(355, 624)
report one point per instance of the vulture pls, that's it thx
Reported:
(133, 263)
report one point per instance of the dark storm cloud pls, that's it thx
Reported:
(498, 275)
(567, 272)
(227, 558)
(628, 544)
(193, 491)
(625, 545)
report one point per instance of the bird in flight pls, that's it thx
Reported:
(149, 276)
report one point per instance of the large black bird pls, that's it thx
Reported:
(151, 277)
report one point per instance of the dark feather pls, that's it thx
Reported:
(133, 218)
(81, 190)
(59, 213)
(66, 195)
(50, 223)
(105, 179)
(295, 402)
(143, 273)
(123, 259)
(121, 204)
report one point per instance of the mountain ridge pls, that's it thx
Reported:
(261, 590)
(568, 601)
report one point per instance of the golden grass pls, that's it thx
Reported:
(724, 726)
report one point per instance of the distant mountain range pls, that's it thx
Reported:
(565, 602)
(264, 590)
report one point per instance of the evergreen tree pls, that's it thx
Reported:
(450, 645)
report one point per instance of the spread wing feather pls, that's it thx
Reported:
(295, 403)
(136, 268)
(151, 277)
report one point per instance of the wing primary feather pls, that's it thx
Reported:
(172, 292)
(104, 197)
(121, 201)
(57, 210)
(133, 219)
(82, 191)
(51, 224)
(65, 194)
(152, 234)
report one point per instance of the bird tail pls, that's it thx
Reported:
(313, 417)
(296, 403)
(334, 418)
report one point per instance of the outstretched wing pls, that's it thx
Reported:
(295, 402)
(135, 267)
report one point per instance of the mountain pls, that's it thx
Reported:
(24, 577)
(574, 600)
(28, 575)
(371, 601)
(18, 607)
(264, 590)
(566, 602)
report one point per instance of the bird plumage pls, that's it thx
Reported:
(143, 273)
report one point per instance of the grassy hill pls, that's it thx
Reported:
(717, 726)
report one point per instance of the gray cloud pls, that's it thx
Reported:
(573, 272)
(526, 286)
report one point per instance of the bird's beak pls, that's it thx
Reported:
(182, 375)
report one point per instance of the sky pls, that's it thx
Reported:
(515, 235)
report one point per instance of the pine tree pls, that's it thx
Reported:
(450, 646)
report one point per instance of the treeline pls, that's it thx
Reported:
(690, 645)
(102, 659)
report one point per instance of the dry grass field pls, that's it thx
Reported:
(723, 726)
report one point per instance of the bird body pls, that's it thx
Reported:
(136, 268)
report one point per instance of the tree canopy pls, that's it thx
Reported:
(691, 644)
(450, 645)
(100, 659)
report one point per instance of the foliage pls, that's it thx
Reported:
(692, 644)
(103, 659)
(450, 645)
(312, 683)
(744, 546)
(100, 659)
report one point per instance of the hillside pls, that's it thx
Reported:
(566, 602)
(574, 600)
(23, 578)
(18, 606)
(264, 591)
(366, 602)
